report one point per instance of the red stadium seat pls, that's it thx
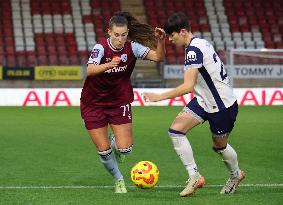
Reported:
(1, 59)
(51, 50)
(11, 61)
(21, 59)
(72, 50)
(41, 50)
(31, 59)
(74, 60)
(9, 41)
(242, 16)
(254, 15)
(63, 60)
(157, 16)
(53, 60)
(42, 60)
(62, 50)
(51, 42)
(83, 57)
(279, 45)
(171, 60)
(1, 51)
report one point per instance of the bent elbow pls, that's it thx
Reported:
(188, 88)
(90, 70)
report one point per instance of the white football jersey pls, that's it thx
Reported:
(212, 89)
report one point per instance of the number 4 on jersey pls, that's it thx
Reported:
(223, 74)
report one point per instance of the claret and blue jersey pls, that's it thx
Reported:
(113, 87)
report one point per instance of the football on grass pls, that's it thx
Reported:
(145, 174)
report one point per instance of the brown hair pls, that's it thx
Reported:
(139, 32)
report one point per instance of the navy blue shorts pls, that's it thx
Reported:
(221, 122)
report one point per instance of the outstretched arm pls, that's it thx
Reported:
(190, 78)
(159, 53)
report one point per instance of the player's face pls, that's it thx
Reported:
(177, 38)
(118, 35)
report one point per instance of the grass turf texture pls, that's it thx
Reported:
(49, 147)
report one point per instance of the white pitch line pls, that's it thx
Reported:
(106, 187)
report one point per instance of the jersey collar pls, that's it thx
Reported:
(112, 47)
(191, 41)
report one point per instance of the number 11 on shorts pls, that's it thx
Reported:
(126, 108)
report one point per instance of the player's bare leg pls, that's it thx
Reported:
(123, 135)
(121, 140)
(99, 138)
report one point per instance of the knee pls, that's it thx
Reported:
(219, 141)
(175, 133)
(177, 138)
(219, 150)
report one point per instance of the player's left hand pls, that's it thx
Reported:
(151, 97)
(160, 33)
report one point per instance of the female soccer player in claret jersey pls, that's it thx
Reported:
(107, 92)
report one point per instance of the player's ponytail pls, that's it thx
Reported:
(139, 32)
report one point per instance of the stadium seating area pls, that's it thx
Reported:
(247, 24)
(157, 17)
(35, 32)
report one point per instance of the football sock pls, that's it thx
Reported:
(229, 157)
(184, 150)
(109, 162)
(124, 151)
(113, 142)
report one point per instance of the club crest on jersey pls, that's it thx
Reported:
(94, 53)
(191, 56)
(124, 57)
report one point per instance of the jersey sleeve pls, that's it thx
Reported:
(139, 50)
(193, 58)
(96, 54)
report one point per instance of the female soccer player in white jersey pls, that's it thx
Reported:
(215, 102)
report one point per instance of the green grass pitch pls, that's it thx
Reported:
(46, 157)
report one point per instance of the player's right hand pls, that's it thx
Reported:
(151, 97)
(160, 33)
(115, 61)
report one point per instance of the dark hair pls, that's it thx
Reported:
(176, 22)
(138, 32)
(118, 21)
